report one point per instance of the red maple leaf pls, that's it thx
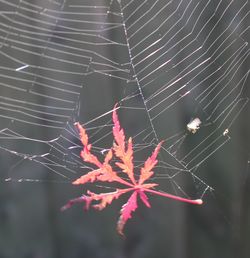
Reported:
(104, 172)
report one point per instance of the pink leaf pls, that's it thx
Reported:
(146, 170)
(119, 147)
(106, 173)
(89, 177)
(144, 199)
(127, 209)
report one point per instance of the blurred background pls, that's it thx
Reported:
(67, 61)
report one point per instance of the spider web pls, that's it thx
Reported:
(164, 62)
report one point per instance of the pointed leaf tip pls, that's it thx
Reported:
(82, 132)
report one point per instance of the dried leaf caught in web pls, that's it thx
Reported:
(104, 172)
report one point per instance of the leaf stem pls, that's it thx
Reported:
(174, 197)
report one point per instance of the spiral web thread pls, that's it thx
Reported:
(168, 62)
